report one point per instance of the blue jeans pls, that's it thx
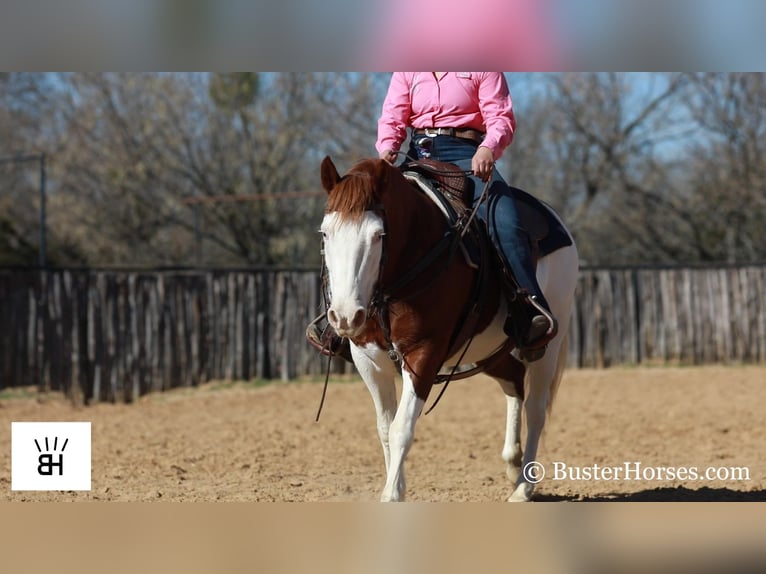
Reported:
(499, 211)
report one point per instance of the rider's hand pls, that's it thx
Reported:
(482, 163)
(388, 155)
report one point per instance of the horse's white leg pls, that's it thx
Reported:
(557, 276)
(534, 407)
(378, 373)
(400, 436)
(512, 445)
(543, 375)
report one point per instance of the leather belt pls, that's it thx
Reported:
(465, 133)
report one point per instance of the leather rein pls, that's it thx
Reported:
(384, 296)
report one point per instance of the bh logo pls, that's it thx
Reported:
(47, 464)
(39, 451)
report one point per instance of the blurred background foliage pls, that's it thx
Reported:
(181, 169)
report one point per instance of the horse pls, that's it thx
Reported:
(378, 228)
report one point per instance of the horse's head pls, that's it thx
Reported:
(352, 231)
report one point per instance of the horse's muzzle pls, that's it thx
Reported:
(347, 324)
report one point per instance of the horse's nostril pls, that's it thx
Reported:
(358, 319)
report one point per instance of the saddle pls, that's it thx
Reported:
(447, 185)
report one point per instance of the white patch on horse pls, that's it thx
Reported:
(352, 251)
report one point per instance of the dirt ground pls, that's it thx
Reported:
(240, 442)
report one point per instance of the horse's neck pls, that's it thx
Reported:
(414, 231)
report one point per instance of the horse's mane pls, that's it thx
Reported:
(358, 190)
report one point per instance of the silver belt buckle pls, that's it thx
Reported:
(432, 133)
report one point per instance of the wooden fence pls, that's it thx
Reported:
(676, 316)
(116, 335)
(110, 335)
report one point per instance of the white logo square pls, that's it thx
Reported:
(50, 456)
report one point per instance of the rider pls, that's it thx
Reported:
(467, 118)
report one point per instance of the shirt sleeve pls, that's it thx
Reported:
(497, 112)
(395, 116)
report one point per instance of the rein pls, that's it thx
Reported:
(448, 243)
(383, 297)
(446, 379)
(329, 355)
(450, 240)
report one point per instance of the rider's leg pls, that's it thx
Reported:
(531, 313)
(538, 325)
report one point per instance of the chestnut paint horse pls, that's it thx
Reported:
(377, 227)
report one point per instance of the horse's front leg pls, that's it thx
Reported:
(378, 373)
(400, 437)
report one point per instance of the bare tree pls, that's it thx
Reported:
(643, 167)
(601, 159)
(137, 145)
(726, 176)
(24, 106)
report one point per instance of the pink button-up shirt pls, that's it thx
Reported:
(478, 100)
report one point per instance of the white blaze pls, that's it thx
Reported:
(352, 251)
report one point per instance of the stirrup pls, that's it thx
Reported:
(542, 328)
(533, 349)
(553, 326)
(324, 340)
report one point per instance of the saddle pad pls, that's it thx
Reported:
(541, 222)
(537, 217)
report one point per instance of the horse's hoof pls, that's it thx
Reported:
(515, 498)
(523, 493)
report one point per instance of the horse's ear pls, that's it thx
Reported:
(330, 175)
